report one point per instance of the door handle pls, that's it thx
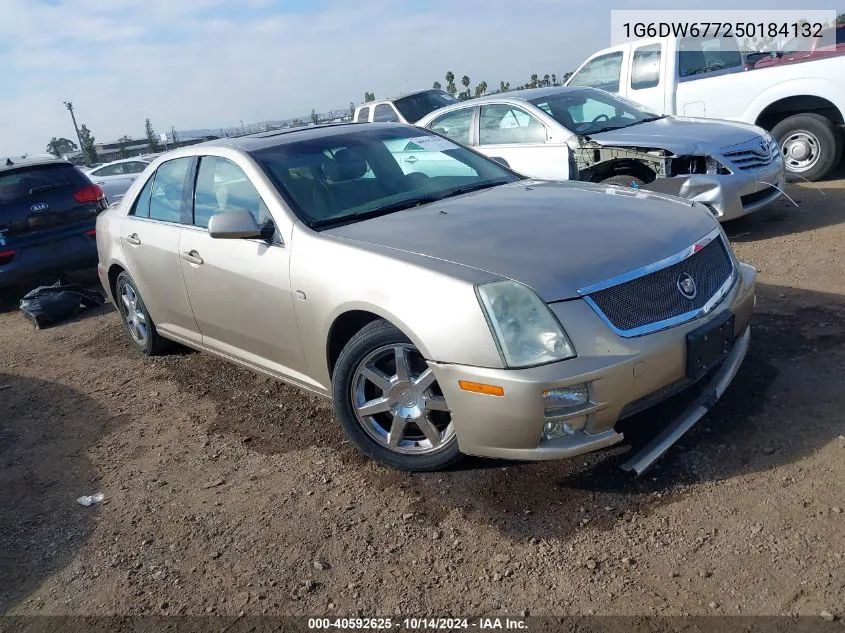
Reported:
(133, 239)
(411, 159)
(192, 257)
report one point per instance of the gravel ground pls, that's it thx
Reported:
(226, 492)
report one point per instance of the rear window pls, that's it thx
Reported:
(19, 185)
(416, 106)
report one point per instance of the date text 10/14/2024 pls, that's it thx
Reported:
(418, 624)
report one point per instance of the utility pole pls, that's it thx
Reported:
(69, 106)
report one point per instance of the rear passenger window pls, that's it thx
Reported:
(363, 115)
(384, 112)
(168, 188)
(223, 186)
(645, 67)
(456, 125)
(507, 125)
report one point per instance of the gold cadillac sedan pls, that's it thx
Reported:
(446, 304)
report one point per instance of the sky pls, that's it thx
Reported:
(212, 63)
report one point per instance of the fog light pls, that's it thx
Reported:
(563, 400)
(554, 430)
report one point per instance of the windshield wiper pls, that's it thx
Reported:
(42, 188)
(487, 184)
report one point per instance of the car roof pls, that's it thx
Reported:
(524, 96)
(253, 142)
(14, 162)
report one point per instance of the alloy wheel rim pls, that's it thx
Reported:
(398, 403)
(133, 315)
(800, 151)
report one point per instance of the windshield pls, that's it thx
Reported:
(591, 111)
(358, 173)
(416, 106)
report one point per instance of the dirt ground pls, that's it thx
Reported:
(226, 492)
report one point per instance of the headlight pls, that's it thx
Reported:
(524, 327)
(688, 165)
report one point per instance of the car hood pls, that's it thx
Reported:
(555, 237)
(680, 135)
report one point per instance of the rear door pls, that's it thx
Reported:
(39, 204)
(149, 237)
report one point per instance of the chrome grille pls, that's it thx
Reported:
(751, 155)
(653, 300)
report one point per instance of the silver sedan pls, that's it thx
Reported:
(587, 134)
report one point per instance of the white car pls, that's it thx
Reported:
(116, 177)
(591, 135)
(406, 108)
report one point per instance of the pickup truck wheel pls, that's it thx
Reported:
(811, 146)
(389, 402)
(624, 181)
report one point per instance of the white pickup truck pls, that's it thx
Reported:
(801, 105)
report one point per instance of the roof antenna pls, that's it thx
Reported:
(9, 162)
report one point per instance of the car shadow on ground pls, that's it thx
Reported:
(818, 205)
(46, 430)
(792, 375)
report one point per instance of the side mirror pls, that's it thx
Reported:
(501, 161)
(233, 225)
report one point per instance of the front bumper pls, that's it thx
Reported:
(728, 196)
(619, 372)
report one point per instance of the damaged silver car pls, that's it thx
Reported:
(588, 134)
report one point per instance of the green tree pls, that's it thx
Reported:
(89, 150)
(314, 116)
(554, 79)
(566, 76)
(547, 80)
(152, 140)
(122, 144)
(466, 94)
(450, 83)
(480, 89)
(504, 86)
(369, 96)
(534, 80)
(436, 85)
(60, 146)
(840, 19)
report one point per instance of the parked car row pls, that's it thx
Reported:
(448, 305)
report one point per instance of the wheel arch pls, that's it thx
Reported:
(113, 272)
(786, 107)
(620, 167)
(348, 321)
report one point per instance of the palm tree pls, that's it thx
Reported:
(466, 94)
(554, 79)
(534, 80)
(450, 83)
(480, 89)
(436, 85)
(504, 86)
(546, 80)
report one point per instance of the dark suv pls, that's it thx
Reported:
(48, 210)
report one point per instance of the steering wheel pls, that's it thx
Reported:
(600, 117)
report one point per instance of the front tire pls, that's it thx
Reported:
(136, 320)
(811, 146)
(390, 404)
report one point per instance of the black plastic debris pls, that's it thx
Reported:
(48, 305)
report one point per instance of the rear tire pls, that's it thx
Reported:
(810, 144)
(390, 404)
(139, 326)
(624, 181)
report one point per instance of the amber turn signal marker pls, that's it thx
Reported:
(477, 387)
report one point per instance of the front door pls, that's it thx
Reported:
(149, 238)
(508, 132)
(239, 289)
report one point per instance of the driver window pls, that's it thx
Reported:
(601, 72)
(223, 186)
(645, 67)
(509, 125)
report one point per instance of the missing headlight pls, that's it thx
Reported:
(689, 165)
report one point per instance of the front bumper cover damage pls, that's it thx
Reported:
(727, 195)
